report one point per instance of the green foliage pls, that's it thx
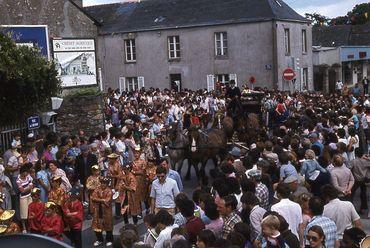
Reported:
(81, 92)
(27, 81)
(317, 19)
(359, 15)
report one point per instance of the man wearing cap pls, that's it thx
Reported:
(73, 215)
(52, 223)
(163, 192)
(35, 212)
(6, 219)
(92, 183)
(262, 192)
(237, 163)
(296, 189)
(102, 216)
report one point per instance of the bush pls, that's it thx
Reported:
(27, 81)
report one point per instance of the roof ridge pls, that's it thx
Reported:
(107, 4)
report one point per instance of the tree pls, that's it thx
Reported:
(317, 19)
(27, 81)
(359, 14)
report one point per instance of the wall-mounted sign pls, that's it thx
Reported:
(29, 35)
(69, 45)
(76, 61)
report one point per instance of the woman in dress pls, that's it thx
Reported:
(42, 176)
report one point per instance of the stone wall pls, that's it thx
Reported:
(64, 19)
(81, 113)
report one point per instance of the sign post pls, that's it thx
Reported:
(288, 74)
(33, 122)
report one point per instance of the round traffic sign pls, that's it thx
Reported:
(288, 74)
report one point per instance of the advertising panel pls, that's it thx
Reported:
(76, 61)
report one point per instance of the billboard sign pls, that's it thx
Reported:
(29, 35)
(75, 60)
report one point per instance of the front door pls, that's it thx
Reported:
(175, 82)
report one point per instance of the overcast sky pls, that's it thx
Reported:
(331, 8)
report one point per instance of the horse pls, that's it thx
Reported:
(204, 146)
(224, 122)
(177, 145)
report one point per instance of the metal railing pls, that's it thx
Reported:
(7, 133)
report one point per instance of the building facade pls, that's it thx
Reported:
(167, 44)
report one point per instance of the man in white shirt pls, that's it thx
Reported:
(343, 213)
(290, 210)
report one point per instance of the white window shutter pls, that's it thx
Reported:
(233, 77)
(210, 82)
(122, 84)
(140, 82)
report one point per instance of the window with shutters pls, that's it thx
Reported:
(130, 49)
(304, 41)
(174, 47)
(132, 84)
(222, 78)
(221, 44)
(287, 41)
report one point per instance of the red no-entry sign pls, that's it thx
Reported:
(288, 74)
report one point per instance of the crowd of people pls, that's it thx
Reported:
(293, 185)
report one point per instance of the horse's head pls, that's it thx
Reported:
(172, 131)
(194, 136)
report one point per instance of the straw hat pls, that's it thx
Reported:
(95, 167)
(113, 155)
(7, 215)
(3, 228)
(138, 148)
(35, 191)
(50, 205)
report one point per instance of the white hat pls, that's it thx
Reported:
(30, 135)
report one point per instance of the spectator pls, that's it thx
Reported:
(227, 206)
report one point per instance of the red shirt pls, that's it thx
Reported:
(54, 222)
(195, 120)
(35, 210)
(194, 226)
(75, 221)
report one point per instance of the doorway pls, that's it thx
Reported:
(175, 82)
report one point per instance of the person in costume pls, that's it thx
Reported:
(114, 173)
(73, 217)
(150, 173)
(6, 219)
(92, 183)
(102, 212)
(52, 223)
(57, 194)
(126, 200)
(138, 169)
(35, 212)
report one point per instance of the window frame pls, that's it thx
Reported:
(222, 39)
(132, 47)
(287, 47)
(304, 41)
(173, 42)
(132, 84)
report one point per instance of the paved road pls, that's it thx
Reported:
(88, 235)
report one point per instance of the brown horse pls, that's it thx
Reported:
(248, 128)
(224, 122)
(204, 146)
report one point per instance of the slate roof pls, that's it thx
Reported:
(341, 35)
(167, 14)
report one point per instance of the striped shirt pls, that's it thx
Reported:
(328, 226)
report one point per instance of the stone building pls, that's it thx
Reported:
(194, 43)
(64, 18)
(340, 53)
